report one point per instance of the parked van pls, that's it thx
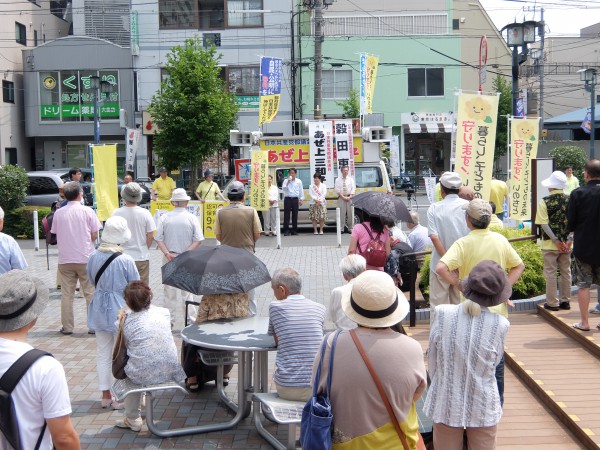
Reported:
(370, 172)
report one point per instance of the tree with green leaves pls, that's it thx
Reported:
(13, 187)
(351, 105)
(569, 155)
(502, 85)
(194, 110)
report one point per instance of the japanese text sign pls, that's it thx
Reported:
(259, 177)
(321, 150)
(524, 136)
(210, 210)
(475, 141)
(270, 89)
(344, 144)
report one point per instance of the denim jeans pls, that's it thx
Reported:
(500, 379)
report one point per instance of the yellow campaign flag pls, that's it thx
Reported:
(372, 64)
(268, 108)
(475, 141)
(524, 138)
(210, 210)
(259, 178)
(105, 179)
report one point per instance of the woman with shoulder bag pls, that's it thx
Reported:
(110, 271)
(373, 397)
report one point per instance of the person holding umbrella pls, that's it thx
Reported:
(177, 231)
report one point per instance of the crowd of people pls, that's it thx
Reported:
(472, 271)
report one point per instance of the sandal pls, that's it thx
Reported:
(578, 326)
(192, 386)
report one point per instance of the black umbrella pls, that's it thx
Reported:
(215, 270)
(382, 205)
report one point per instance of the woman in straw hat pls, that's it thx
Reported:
(108, 297)
(375, 304)
(466, 344)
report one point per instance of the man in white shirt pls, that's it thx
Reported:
(178, 231)
(141, 224)
(418, 236)
(351, 267)
(294, 196)
(41, 398)
(345, 187)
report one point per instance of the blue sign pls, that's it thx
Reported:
(270, 76)
(586, 125)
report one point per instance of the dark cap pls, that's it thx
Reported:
(236, 188)
(162, 169)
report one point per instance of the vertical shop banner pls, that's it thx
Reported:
(105, 177)
(320, 135)
(372, 64)
(475, 141)
(207, 218)
(344, 145)
(524, 137)
(586, 125)
(363, 84)
(259, 178)
(395, 156)
(133, 141)
(270, 89)
(430, 183)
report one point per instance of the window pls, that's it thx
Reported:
(425, 82)
(42, 185)
(20, 33)
(8, 91)
(244, 80)
(209, 14)
(35, 38)
(336, 83)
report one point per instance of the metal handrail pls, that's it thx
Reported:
(413, 276)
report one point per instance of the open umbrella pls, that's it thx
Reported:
(382, 205)
(215, 270)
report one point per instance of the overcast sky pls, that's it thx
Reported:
(562, 17)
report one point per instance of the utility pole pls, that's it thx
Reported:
(542, 32)
(318, 5)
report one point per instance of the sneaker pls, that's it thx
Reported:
(133, 425)
(551, 308)
(594, 311)
(564, 305)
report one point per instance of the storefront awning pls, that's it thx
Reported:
(427, 127)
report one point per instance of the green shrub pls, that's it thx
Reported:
(569, 155)
(19, 222)
(531, 283)
(13, 187)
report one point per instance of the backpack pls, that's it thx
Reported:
(374, 253)
(47, 226)
(9, 426)
(557, 215)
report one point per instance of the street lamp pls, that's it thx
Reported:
(100, 87)
(519, 35)
(588, 75)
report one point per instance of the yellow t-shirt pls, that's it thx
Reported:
(163, 188)
(477, 246)
(571, 185)
(208, 191)
(495, 223)
(498, 190)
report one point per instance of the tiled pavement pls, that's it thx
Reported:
(315, 257)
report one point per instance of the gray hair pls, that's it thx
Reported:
(1, 213)
(352, 266)
(71, 190)
(415, 217)
(288, 278)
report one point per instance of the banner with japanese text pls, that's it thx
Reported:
(320, 135)
(160, 207)
(210, 208)
(259, 180)
(270, 89)
(105, 176)
(133, 141)
(372, 64)
(294, 150)
(395, 156)
(475, 141)
(524, 137)
(343, 144)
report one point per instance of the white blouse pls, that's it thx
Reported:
(317, 193)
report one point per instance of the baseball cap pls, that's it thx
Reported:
(451, 180)
(236, 187)
(478, 209)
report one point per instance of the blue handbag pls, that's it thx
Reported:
(317, 418)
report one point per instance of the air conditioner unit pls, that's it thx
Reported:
(377, 134)
(240, 138)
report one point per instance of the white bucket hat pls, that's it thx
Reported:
(557, 180)
(374, 300)
(131, 192)
(179, 195)
(116, 231)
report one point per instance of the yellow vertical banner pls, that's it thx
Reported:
(105, 179)
(524, 138)
(209, 211)
(259, 173)
(372, 64)
(475, 141)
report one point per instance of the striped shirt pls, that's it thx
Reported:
(298, 324)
